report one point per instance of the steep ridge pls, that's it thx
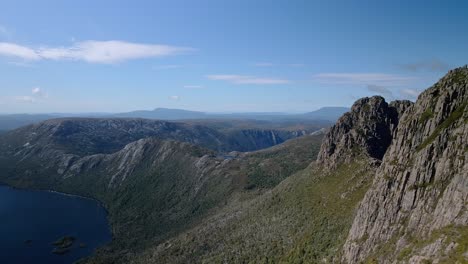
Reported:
(389, 185)
(255, 139)
(305, 218)
(367, 129)
(415, 211)
(85, 136)
(153, 188)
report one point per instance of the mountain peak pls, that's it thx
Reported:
(420, 188)
(367, 129)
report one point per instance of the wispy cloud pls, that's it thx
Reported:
(13, 50)
(246, 79)
(410, 93)
(193, 86)
(381, 79)
(174, 97)
(91, 51)
(381, 90)
(434, 65)
(25, 99)
(37, 94)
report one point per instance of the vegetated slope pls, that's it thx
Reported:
(386, 174)
(415, 210)
(266, 168)
(306, 218)
(407, 160)
(152, 188)
(251, 135)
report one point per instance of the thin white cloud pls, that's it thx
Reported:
(362, 78)
(410, 93)
(25, 99)
(246, 79)
(433, 65)
(381, 90)
(91, 51)
(13, 50)
(37, 94)
(193, 86)
(174, 97)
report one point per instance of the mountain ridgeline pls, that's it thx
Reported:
(324, 115)
(415, 211)
(386, 184)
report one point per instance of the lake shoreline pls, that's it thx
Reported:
(100, 204)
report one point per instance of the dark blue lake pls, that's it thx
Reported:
(30, 221)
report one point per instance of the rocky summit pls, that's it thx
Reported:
(387, 183)
(415, 210)
(368, 129)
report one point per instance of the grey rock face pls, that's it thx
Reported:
(420, 191)
(367, 129)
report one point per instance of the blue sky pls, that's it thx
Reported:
(222, 56)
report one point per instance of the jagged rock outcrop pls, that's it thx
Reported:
(366, 130)
(415, 211)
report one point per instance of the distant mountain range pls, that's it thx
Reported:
(329, 114)
(325, 113)
(386, 184)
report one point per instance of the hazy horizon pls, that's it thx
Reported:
(176, 109)
(229, 57)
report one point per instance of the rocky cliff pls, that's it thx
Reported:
(366, 130)
(390, 184)
(415, 211)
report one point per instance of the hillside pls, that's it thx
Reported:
(386, 184)
(85, 136)
(405, 161)
(152, 187)
(305, 219)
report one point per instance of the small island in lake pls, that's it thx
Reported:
(62, 245)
